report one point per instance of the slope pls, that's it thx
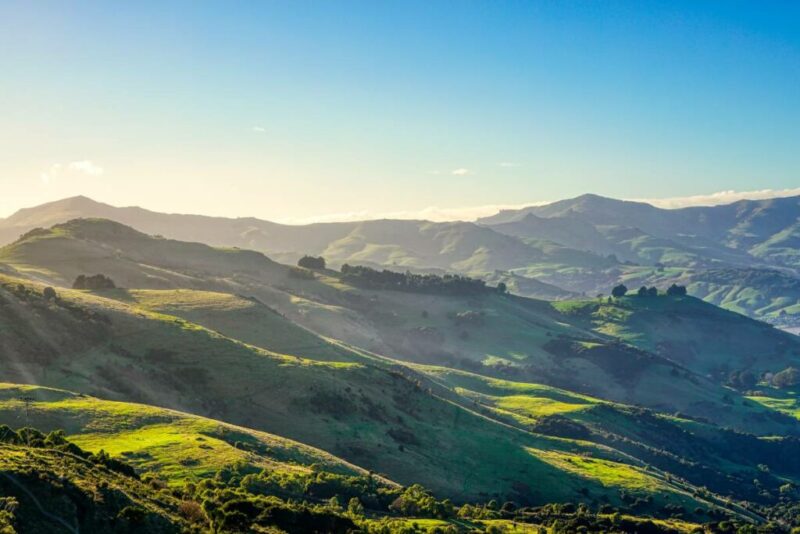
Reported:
(373, 413)
(506, 336)
(174, 446)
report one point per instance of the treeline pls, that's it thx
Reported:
(673, 291)
(448, 284)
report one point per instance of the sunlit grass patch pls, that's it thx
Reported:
(787, 403)
(176, 451)
(537, 406)
(605, 472)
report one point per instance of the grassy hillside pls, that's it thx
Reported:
(509, 337)
(721, 460)
(376, 415)
(174, 446)
(537, 402)
(51, 485)
(701, 337)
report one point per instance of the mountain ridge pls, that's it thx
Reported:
(582, 245)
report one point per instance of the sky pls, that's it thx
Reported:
(298, 111)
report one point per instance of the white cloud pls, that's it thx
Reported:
(720, 197)
(85, 167)
(259, 129)
(460, 172)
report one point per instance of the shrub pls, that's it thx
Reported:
(49, 293)
(192, 512)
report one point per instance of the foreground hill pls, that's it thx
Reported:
(371, 412)
(176, 447)
(52, 486)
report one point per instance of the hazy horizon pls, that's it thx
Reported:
(467, 213)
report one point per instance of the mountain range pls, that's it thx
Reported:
(740, 256)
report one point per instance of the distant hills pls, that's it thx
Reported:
(742, 256)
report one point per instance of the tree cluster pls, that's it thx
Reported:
(311, 262)
(449, 284)
(674, 291)
(647, 291)
(97, 281)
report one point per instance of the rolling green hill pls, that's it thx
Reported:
(476, 396)
(174, 446)
(708, 340)
(373, 413)
(505, 336)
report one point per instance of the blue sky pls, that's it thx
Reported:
(303, 110)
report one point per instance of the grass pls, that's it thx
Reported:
(220, 355)
(236, 317)
(176, 446)
(782, 401)
(607, 473)
(537, 406)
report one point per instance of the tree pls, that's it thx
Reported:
(502, 288)
(619, 291)
(312, 262)
(49, 293)
(676, 291)
(652, 292)
(98, 281)
(787, 378)
(642, 291)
